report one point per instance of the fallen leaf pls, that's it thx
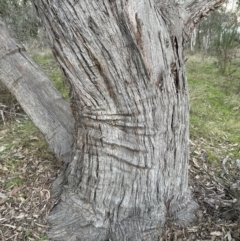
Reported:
(21, 216)
(3, 168)
(3, 148)
(193, 229)
(3, 239)
(216, 233)
(2, 195)
(229, 236)
(15, 190)
(195, 162)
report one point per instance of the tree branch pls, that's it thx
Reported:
(196, 6)
(37, 95)
(196, 9)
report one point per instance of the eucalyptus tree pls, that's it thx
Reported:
(124, 136)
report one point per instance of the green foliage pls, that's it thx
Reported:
(225, 43)
(13, 182)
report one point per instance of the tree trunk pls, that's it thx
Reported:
(129, 97)
(128, 173)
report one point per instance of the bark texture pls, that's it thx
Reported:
(37, 95)
(124, 61)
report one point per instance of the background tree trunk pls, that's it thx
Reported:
(37, 95)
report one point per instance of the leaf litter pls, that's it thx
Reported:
(217, 191)
(26, 175)
(25, 200)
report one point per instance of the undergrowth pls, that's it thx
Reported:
(214, 110)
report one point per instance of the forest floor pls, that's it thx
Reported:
(27, 168)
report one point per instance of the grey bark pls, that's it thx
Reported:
(128, 174)
(124, 61)
(37, 95)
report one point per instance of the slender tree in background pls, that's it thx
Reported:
(21, 18)
(225, 40)
(126, 158)
(218, 36)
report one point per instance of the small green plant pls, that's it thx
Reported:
(43, 237)
(27, 234)
(14, 182)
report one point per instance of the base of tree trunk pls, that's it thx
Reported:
(75, 219)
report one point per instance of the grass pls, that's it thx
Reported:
(50, 67)
(215, 106)
(21, 139)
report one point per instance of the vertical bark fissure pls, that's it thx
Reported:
(177, 81)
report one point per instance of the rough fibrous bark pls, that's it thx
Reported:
(37, 95)
(128, 174)
(124, 61)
